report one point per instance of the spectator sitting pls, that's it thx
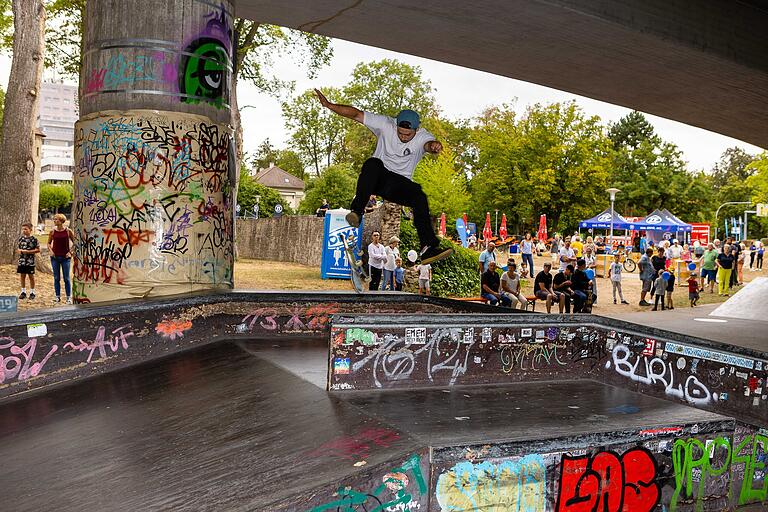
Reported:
(523, 269)
(591, 262)
(491, 284)
(472, 241)
(581, 285)
(510, 286)
(372, 204)
(542, 286)
(561, 284)
(320, 212)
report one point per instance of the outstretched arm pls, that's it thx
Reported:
(342, 110)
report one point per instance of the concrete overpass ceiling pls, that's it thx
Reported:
(700, 63)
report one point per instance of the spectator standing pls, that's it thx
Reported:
(591, 262)
(686, 256)
(510, 287)
(698, 249)
(577, 246)
(425, 277)
(708, 263)
(377, 256)
(725, 262)
(660, 288)
(320, 212)
(740, 262)
(542, 286)
(693, 289)
(526, 249)
(487, 256)
(670, 288)
(561, 284)
(490, 287)
(59, 240)
(590, 245)
(554, 248)
(26, 248)
(752, 254)
(760, 250)
(735, 252)
(599, 245)
(647, 275)
(399, 275)
(675, 251)
(392, 253)
(614, 275)
(567, 255)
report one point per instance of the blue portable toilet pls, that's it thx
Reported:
(334, 264)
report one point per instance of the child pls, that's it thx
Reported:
(425, 275)
(614, 274)
(28, 246)
(693, 289)
(523, 269)
(670, 288)
(659, 288)
(399, 275)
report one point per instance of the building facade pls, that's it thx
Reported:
(286, 184)
(56, 120)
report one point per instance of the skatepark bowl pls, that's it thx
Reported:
(344, 402)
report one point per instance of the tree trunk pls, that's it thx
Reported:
(17, 169)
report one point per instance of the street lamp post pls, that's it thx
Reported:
(612, 192)
(724, 204)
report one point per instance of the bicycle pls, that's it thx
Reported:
(627, 262)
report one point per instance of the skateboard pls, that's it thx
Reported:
(358, 275)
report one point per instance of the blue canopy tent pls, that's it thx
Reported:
(603, 221)
(656, 221)
(686, 228)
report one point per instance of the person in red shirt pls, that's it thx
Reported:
(693, 289)
(61, 256)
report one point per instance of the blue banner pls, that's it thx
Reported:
(334, 264)
(462, 231)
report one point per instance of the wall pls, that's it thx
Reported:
(292, 238)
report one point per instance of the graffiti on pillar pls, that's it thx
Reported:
(205, 68)
(152, 202)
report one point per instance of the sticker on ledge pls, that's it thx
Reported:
(341, 366)
(37, 330)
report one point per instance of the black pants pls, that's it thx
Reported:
(759, 261)
(375, 179)
(659, 298)
(375, 278)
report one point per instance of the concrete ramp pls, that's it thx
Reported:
(750, 303)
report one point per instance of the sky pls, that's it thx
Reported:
(460, 93)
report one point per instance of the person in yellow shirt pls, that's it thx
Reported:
(577, 246)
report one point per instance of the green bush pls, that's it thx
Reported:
(455, 276)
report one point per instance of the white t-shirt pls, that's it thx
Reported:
(568, 253)
(676, 251)
(512, 282)
(398, 157)
(526, 247)
(392, 254)
(616, 271)
(424, 271)
(377, 255)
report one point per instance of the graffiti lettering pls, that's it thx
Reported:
(606, 482)
(17, 363)
(116, 340)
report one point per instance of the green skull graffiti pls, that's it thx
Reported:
(205, 73)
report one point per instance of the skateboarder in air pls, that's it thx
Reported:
(388, 173)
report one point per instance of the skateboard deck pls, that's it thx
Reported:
(358, 275)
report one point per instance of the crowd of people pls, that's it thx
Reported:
(573, 286)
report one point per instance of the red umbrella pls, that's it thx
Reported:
(542, 234)
(466, 224)
(442, 224)
(503, 228)
(487, 231)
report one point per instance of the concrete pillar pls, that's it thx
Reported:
(154, 154)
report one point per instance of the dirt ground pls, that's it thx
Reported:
(270, 275)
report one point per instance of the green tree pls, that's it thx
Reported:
(53, 197)
(316, 132)
(553, 160)
(651, 173)
(758, 183)
(729, 181)
(286, 159)
(248, 189)
(63, 36)
(336, 184)
(444, 185)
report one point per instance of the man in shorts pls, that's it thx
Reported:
(400, 146)
(709, 267)
(27, 247)
(543, 289)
